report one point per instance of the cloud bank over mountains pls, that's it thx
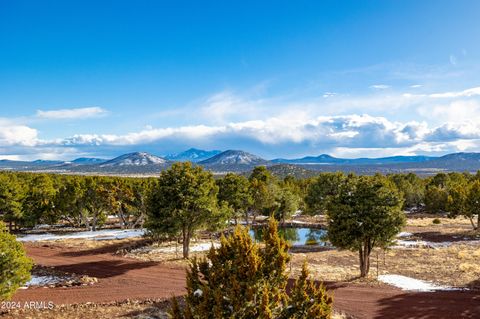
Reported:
(385, 122)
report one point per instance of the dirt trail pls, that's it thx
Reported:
(119, 278)
(122, 278)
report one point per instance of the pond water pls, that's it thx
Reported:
(296, 236)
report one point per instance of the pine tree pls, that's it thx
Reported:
(244, 280)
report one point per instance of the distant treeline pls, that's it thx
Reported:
(30, 199)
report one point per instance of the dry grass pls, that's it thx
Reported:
(133, 309)
(459, 222)
(456, 265)
(170, 252)
(337, 315)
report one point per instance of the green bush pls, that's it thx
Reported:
(15, 266)
(436, 221)
(243, 280)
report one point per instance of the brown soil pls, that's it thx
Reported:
(118, 278)
(122, 278)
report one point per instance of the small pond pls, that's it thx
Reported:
(296, 236)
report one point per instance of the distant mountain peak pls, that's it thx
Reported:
(135, 159)
(192, 155)
(234, 157)
(324, 156)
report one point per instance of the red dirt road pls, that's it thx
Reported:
(121, 278)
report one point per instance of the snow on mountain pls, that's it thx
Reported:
(234, 157)
(135, 159)
(192, 155)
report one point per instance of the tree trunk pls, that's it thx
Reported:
(123, 222)
(10, 228)
(94, 222)
(139, 221)
(471, 222)
(186, 242)
(362, 262)
(246, 217)
(85, 220)
(364, 255)
(478, 223)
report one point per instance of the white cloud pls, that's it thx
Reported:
(329, 94)
(16, 134)
(76, 113)
(454, 94)
(428, 123)
(355, 130)
(456, 111)
(346, 135)
(379, 86)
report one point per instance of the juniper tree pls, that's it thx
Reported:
(15, 266)
(69, 202)
(464, 200)
(10, 199)
(244, 280)
(234, 190)
(184, 200)
(39, 201)
(96, 200)
(366, 213)
(319, 193)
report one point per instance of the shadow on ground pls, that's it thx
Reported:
(438, 237)
(105, 268)
(431, 305)
(108, 249)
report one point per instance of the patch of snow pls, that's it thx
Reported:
(404, 234)
(428, 244)
(172, 249)
(105, 234)
(412, 284)
(297, 222)
(198, 293)
(41, 281)
(193, 248)
(42, 226)
(420, 244)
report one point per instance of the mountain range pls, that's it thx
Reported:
(142, 163)
(327, 159)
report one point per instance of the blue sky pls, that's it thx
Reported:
(276, 78)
